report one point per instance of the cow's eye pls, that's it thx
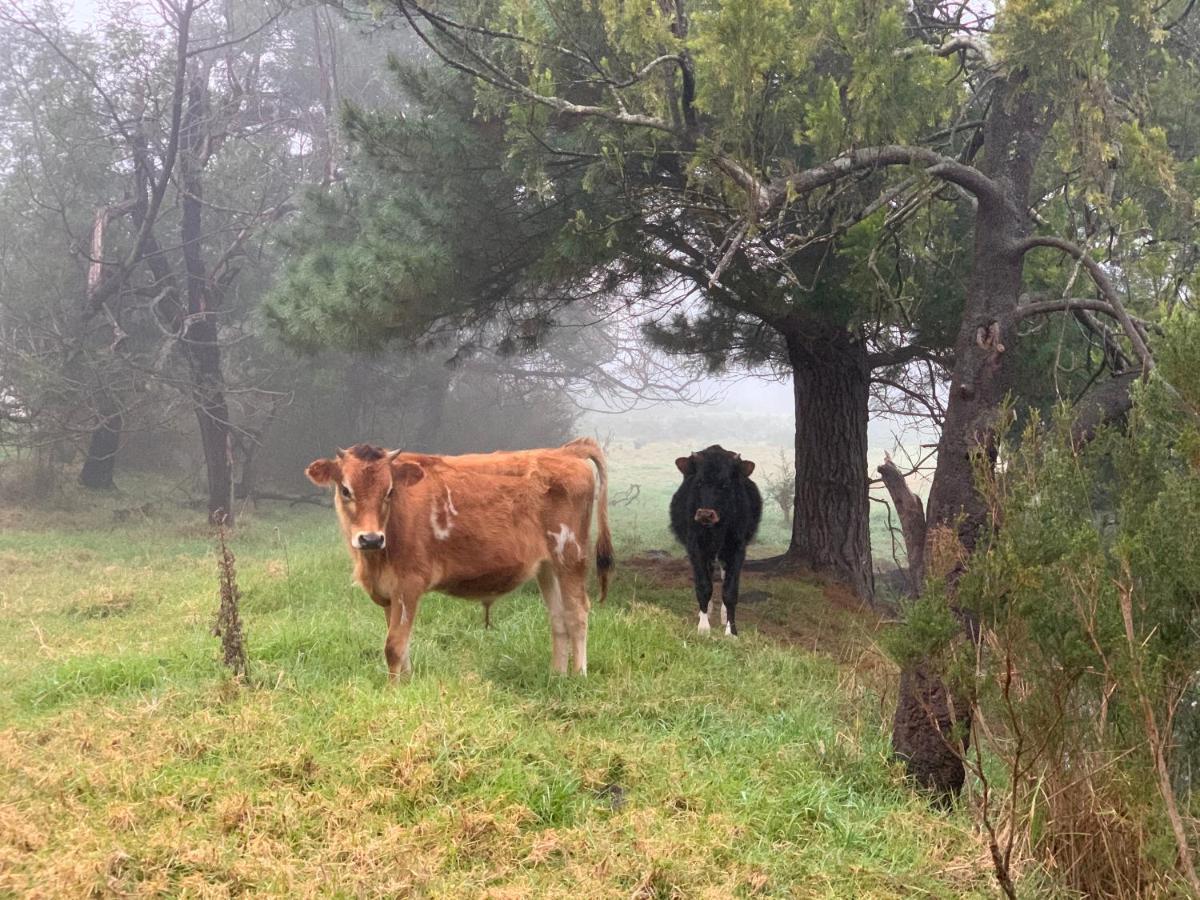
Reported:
(346, 495)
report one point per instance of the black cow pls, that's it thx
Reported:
(715, 514)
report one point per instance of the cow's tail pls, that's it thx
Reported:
(589, 449)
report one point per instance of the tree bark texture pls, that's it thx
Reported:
(831, 515)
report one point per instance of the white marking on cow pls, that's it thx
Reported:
(724, 614)
(703, 626)
(561, 538)
(438, 531)
(728, 629)
(448, 512)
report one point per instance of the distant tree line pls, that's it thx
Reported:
(152, 166)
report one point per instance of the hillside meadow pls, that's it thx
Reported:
(132, 765)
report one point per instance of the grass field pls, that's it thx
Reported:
(130, 765)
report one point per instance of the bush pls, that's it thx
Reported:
(1087, 599)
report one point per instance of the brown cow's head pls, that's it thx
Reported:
(365, 479)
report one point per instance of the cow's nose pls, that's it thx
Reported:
(707, 516)
(369, 540)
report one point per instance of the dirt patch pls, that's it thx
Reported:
(797, 608)
(664, 571)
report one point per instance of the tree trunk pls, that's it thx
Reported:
(97, 471)
(930, 726)
(249, 443)
(912, 522)
(212, 415)
(831, 515)
(200, 335)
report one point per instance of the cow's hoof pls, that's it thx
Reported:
(702, 627)
(729, 632)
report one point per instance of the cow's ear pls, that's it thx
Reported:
(323, 471)
(686, 465)
(407, 473)
(746, 466)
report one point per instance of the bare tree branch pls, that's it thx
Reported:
(1104, 284)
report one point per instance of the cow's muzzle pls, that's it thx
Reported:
(707, 516)
(369, 540)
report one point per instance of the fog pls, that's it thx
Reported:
(206, 348)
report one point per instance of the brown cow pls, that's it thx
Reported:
(474, 526)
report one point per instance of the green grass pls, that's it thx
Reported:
(680, 767)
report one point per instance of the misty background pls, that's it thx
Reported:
(115, 366)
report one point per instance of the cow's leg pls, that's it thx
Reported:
(400, 621)
(719, 577)
(732, 560)
(702, 578)
(552, 597)
(575, 604)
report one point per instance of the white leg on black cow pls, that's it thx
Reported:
(702, 579)
(729, 588)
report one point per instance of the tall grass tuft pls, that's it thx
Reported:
(228, 626)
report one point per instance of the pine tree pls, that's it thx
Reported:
(579, 205)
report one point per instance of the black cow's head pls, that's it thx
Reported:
(715, 473)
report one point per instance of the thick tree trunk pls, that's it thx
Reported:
(831, 516)
(97, 471)
(930, 728)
